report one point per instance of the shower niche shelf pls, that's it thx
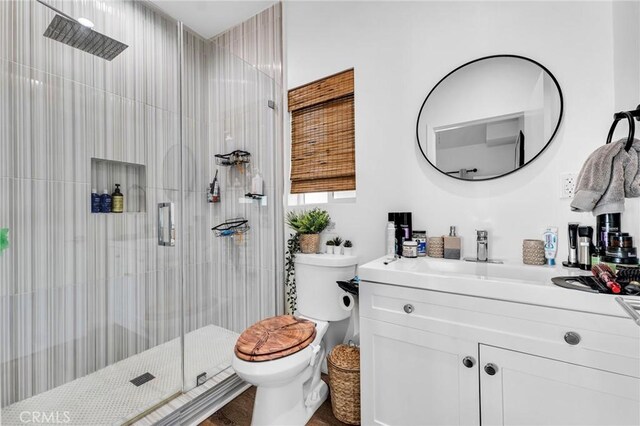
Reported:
(131, 177)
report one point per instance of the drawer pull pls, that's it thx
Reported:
(468, 361)
(408, 308)
(491, 369)
(572, 338)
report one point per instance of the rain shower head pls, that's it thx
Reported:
(67, 30)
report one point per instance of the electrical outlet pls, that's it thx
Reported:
(567, 185)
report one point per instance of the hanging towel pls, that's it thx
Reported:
(608, 176)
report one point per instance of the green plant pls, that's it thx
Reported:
(293, 246)
(309, 221)
(337, 241)
(348, 244)
(331, 243)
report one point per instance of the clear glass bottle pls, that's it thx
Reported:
(391, 240)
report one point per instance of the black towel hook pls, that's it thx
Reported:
(629, 115)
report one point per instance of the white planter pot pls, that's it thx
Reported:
(337, 250)
(348, 251)
(330, 249)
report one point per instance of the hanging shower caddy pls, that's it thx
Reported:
(235, 158)
(232, 227)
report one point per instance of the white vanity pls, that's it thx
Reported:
(453, 343)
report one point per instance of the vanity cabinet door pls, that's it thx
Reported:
(413, 377)
(522, 389)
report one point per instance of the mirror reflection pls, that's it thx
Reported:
(489, 117)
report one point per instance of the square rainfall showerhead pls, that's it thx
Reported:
(76, 35)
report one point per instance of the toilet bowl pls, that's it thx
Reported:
(289, 389)
(289, 386)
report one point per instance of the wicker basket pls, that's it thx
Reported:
(309, 243)
(344, 382)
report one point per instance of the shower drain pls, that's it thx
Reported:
(141, 380)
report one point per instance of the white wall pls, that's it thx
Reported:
(399, 52)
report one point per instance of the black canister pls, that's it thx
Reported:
(605, 223)
(404, 229)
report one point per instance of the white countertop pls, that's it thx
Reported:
(514, 282)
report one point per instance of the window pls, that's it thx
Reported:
(323, 136)
(321, 198)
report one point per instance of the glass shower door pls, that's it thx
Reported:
(230, 279)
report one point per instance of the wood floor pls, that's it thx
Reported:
(238, 412)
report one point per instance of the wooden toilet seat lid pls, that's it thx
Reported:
(274, 338)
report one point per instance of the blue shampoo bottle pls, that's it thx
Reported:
(105, 202)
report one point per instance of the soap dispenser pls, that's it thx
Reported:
(117, 200)
(452, 245)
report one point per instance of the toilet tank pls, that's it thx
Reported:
(319, 297)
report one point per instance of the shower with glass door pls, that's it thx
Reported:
(106, 316)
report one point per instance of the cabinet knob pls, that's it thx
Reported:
(572, 338)
(468, 361)
(408, 308)
(490, 369)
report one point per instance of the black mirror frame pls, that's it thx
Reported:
(555, 131)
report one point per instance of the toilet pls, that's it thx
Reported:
(282, 356)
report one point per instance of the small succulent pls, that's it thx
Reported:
(331, 243)
(348, 244)
(309, 221)
(337, 241)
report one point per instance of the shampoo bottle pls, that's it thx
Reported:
(95, 201)
(117, 200)
(105, 202)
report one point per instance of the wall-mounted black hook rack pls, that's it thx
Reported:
(254, 196)
(631, 117)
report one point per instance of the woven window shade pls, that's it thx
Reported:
(323, 135)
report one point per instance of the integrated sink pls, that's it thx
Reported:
(479, 270)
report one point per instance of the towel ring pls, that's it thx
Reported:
(632, 128)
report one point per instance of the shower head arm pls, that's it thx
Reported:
(58, 11)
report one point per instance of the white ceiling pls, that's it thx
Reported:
(211, 17)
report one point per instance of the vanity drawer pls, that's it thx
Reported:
(599, 341)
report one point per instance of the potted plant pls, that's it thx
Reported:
(330, 246)
(337, 241)
(348, 248)
(309, 224)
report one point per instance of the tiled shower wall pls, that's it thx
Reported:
(79, 291)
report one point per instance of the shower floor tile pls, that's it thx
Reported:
(107, 397)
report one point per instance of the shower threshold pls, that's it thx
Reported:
(108, 397)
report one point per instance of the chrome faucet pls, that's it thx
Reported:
(482, 246)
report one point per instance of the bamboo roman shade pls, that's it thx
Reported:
(323, 135)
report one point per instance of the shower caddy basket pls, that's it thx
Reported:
(344, 382)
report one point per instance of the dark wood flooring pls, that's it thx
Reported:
(238, 412)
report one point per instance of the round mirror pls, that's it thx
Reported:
(489, 117)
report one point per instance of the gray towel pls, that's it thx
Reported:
(608, 176)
